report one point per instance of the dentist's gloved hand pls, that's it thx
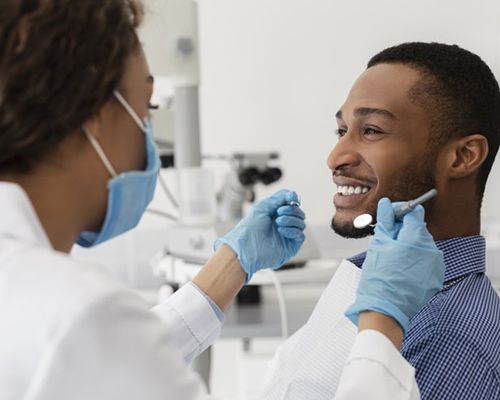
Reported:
(269, 235)
(403, 268)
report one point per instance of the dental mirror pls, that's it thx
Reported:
(364, 220)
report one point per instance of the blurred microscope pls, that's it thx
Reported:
(192, 238)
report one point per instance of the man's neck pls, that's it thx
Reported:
(455, 212)
(440, 232)
(455, 223)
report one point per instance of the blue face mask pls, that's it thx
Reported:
(128, 193)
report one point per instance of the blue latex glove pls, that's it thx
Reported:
(403, 268)
(269, 235)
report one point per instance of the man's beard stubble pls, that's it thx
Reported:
(412, 183)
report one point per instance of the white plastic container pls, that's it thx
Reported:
(197, 196)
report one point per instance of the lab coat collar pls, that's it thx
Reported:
(462, 256)
(18, 219)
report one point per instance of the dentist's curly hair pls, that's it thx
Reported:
(457, 89)
(60, 61)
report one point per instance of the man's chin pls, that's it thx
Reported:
(347, 230)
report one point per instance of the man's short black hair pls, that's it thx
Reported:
(458, 90)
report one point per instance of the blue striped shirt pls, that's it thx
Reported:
(454, 341)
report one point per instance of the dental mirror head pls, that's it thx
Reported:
(362, 221)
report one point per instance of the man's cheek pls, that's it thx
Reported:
(388, 172)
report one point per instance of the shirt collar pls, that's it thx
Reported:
(462, 256)
(18, 219)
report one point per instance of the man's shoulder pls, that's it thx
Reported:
(465, 315)
(471, 307)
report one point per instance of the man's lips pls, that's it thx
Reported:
(349, 201)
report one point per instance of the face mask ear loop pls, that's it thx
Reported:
(97, 147)
(130, 110)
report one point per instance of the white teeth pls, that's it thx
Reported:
(350, 190)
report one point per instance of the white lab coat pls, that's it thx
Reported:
(375, 370)
(68, 331)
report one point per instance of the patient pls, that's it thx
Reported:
(422, 116)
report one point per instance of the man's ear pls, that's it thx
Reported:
(466, 155)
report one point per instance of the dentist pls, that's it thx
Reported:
(78, 164)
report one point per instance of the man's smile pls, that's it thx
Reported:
(350, 191)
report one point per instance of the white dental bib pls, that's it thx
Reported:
(309, 364)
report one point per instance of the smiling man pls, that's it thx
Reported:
(421, 116)
(397, 163)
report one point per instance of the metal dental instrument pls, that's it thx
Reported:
(364, 220)
(295, 203)
(405, 208)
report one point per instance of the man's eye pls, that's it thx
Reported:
(371, 131)
(340, 132)
(153, 106)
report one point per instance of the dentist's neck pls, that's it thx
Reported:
(68, 192)
(54, 206)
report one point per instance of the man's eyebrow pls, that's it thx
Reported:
(150, 79)
(364, 111)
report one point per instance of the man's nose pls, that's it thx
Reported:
(344, 154)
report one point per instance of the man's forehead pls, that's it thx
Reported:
(382, 87)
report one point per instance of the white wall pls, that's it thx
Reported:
(274, 72)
